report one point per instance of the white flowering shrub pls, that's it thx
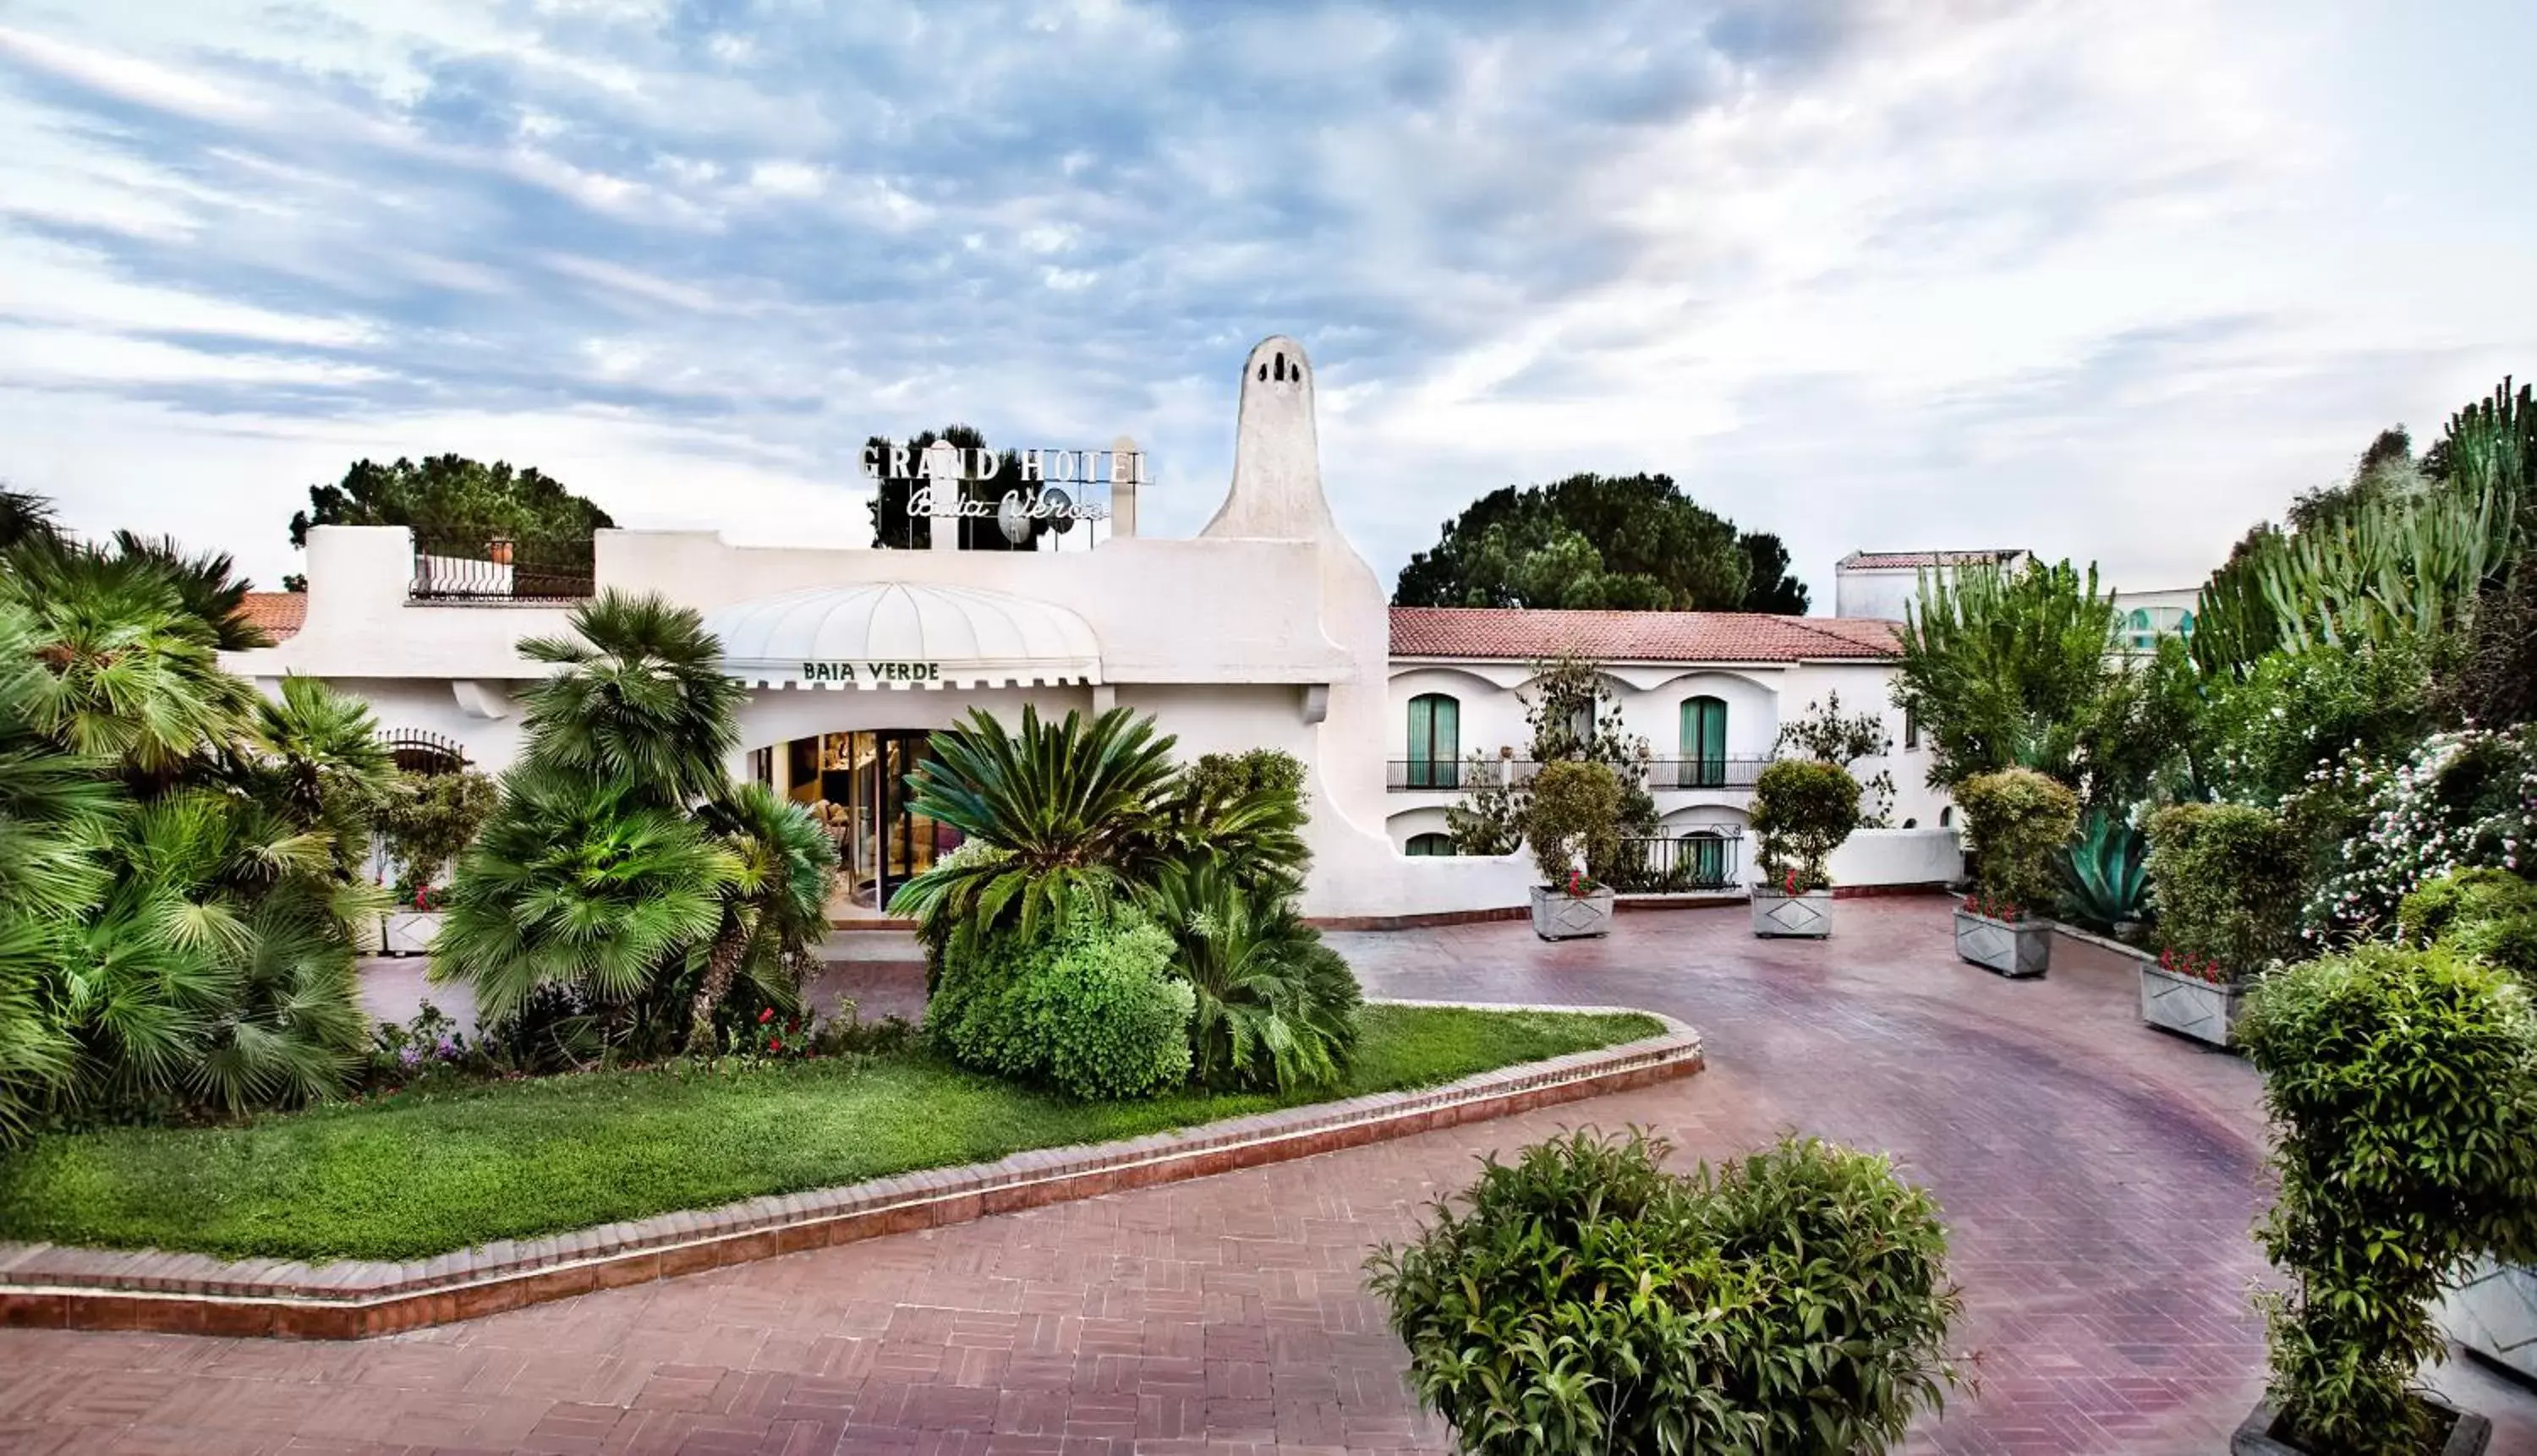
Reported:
(2462, 801)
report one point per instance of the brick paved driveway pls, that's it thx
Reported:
(2099, 1179)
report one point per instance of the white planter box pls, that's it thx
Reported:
(408, 933)
(1560, 916)
(2495, 1315)
(2189, 1006)
(2468, 1434)
(1808, 915)
(2013, 948)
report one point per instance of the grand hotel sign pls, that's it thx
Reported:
(1038, 492)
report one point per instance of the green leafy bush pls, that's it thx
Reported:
(1802, 808)
(2380, 830)
(2402, 1086)
(2489, 915)
(2019, 820)
(2225, 881)
(2294, 711)
(428, 819)
(1585, 1301)
(1088, 1005)
(1576, 803)
(2105, 872)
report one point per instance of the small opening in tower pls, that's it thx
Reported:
(1281, 367)
(1264, 371)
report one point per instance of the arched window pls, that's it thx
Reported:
(1429, 846)
(1947, 817)
(419, 751)
(2184, 626)
(1703, 745)
(2142, 636)
(1910, 823)
(1435, 742)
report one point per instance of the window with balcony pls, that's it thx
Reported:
(1435, 742)
(2143, 636)
(1429, 846)
(1703, 745)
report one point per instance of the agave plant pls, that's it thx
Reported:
(1071, 805)
(1275, 1007)
(775, 907)
(641, 698)
(577, 883)
(2106, 871)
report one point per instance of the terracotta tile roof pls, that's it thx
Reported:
(1635, 636)
(278, 614)
(1886, 560)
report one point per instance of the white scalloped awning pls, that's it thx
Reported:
(903, 635)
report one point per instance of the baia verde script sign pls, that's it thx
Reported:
(1034, 497)
(851, 672)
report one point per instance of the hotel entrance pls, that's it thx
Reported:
(855, 784)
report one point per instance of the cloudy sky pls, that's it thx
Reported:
(2107, 280)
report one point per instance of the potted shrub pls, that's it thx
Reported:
(1572, 821)
(1802, 810)
(2019, 820)
(2225, 880)
(1793, 1300)
(2402, 1087)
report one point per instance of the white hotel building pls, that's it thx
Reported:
(1264, 630)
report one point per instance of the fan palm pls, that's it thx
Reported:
(315, 757)
(776, 906)
(54, 807)
(1069, 804)
(131, 675)
(641, 698)
(216, 966)
(24, 514)
(1275, 1007)
(206, 583)
(576, 882)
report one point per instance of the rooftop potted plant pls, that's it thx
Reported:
(1803, 810)
(1572, 821)
(2225, 880)
(2402, 1086)
(2019, 820)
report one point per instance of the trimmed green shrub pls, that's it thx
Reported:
(1802, 808)
(2019, 820)
(2489, 915)
(1088, 1005)
(1575, 802)
(2226, 882)
(2402, 1086)
(427, 820)
(1586, 1300)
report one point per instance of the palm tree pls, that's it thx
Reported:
(23, 514)
(1070, 806)
(775, 907)
(130, 674)
(206, 584)
(216, 968)
(641, 698)
(1275, 1007)
(314, 756)
(54, 807)
(579, 883)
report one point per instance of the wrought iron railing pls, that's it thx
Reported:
(476, 563)
(422, 751)
(1705, 772)
(1697, 860)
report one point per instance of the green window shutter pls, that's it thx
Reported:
(1435, 740)
(1703, 743)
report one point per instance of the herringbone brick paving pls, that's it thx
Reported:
(2099, 1180)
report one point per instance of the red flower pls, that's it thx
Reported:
(765, 1016)
(774, 1046)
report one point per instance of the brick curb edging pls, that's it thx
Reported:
(51, 1287)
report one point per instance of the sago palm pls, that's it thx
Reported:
(1070, 803)
(1275, 1007)
(640, 697)
(776, 906)
(579, 883)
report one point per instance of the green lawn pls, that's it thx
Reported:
(420, 1175)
